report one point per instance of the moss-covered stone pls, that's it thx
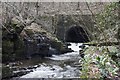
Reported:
(11, 54)
(6, 72)
(36, 29)
(56, 44)
(29, 31)
(7, 50)
(60, 46)
(19, 52)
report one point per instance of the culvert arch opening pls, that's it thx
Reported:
(77, 34)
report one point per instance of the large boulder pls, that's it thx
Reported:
(12, 45)
(38, 41)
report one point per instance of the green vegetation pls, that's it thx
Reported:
(108, 22)
(98, 63)
(103, 62)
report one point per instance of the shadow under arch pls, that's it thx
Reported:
(77, 34)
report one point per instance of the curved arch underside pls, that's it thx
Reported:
(77, 34)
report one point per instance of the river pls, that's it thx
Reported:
(58, 66)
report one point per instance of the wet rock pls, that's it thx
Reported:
(82, 46)
(82, 55)
(44, 49)
(12, 49)
(38, 41)
(38, 65)
(60, 47)
(52, 51)
(66, 50)
(56, 44)
(53, 69)
(20, 73)
(23, 68)
(34, 67)
(39, 46)
(6, 72)
(36, 47)
(67, 44)
(30, 67)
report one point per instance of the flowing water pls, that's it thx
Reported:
(58, 66)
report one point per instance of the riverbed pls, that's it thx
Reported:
(58, 66)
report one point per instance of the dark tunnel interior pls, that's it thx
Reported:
(76, 34)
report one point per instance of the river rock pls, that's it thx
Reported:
(38, 41)
(53, 51)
